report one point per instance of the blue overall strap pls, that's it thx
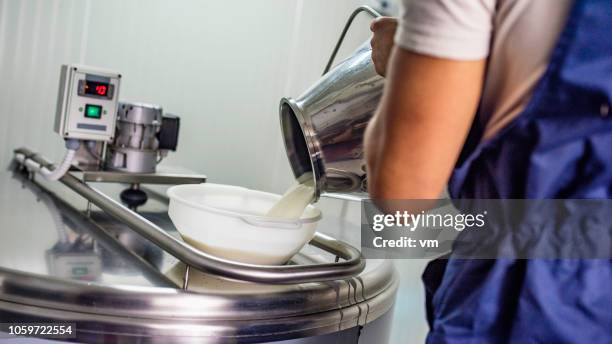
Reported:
(559, 147)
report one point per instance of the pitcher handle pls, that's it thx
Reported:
(369, 10)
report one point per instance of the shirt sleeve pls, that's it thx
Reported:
(452, 29)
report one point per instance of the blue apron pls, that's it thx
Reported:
(560, 147)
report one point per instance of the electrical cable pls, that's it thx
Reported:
(58, 172)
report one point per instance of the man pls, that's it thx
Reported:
(478, 95)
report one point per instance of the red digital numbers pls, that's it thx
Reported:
(96, 89)
(101, 90)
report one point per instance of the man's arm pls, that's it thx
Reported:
(415, 138)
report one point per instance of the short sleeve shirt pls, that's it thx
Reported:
(516, 36)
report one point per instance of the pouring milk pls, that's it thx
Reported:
(226, 222)
(294, 201)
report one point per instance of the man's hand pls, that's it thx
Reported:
(382, 42)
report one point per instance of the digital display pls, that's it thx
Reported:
(94, 88)
(93, 111)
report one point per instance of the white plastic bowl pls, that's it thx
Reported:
(229, 222)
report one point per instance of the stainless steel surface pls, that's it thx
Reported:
(139, 113)
(352, 265)
(141, 178)
(43, 234)
(323, 129)
(135, 148)
(137, 296)
(131, 160)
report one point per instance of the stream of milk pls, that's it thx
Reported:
(294, 201)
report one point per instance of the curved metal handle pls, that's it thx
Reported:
(353, 264)
(369, 10)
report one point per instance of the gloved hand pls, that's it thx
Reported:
(382, 42)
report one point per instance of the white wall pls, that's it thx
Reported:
(223, 66)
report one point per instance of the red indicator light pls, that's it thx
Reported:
(101, 90)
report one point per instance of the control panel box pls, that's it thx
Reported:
(87, 103)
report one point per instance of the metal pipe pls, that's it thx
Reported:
(367, 9)
(100, 235)
(352, 266)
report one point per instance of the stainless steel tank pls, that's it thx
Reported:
(135, 148)
(323, 129)
(70, 263)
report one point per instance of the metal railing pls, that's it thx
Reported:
(352, 264)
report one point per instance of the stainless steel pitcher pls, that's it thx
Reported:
(323, 129)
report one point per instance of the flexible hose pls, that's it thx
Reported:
(20, 158)
(58, 172)
(32, 165)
